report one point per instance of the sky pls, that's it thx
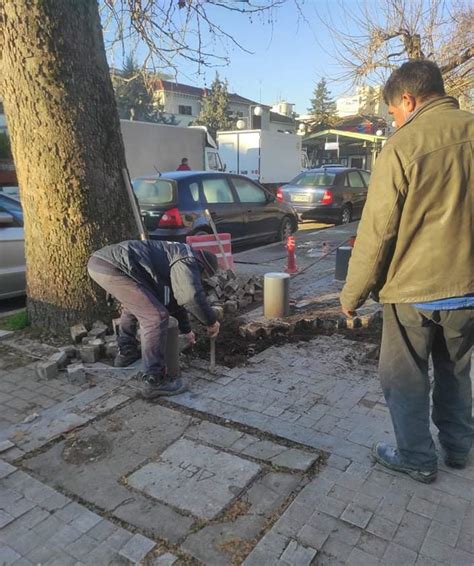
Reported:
(288, 58)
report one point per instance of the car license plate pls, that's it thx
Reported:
(300, 198)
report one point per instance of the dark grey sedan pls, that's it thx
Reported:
(334, 194)
(172, 205)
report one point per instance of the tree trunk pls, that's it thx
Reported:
(68, 151)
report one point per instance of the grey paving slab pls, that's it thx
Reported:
(166, 559)
(137, 548)
(298, 555)
(195, 477)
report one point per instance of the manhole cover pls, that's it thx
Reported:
(195, 478)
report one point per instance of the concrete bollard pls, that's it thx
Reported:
(172, 348)
(276, 295)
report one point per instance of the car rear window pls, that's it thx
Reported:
(319, 179)
(153, 191)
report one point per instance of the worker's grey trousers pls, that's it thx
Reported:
(138, 304)
(410, 335)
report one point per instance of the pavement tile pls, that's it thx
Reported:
(449, 517)
(367, 501)
(314, 537)
(412, 531)
(85, 521)
(5, 518)
(346, 533)
(24, 541)
(396, 555)
(81, 547)
(70, 512)
(443, 533)
(102, 530)
(329, 505)
(295, 459)
(55, 501)
(372, 545)
(422, 507)
(357, 515)
(137, 548)
(8, 555)
(6, 469)
(466, 542)
(382, 527)
(342, 493)
(360, 558)
(31, 518)
(461, 558)
(335, 551)
(118, 539)
(298, 555)
(436, 550)
(166, 559)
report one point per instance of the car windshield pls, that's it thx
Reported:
(314, 179)
(153, 191)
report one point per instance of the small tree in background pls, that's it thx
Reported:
(323, 107)
(134, 100)
(215, 113)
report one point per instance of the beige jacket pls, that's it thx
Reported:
(415, 238)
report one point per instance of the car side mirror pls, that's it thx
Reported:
(6, 219)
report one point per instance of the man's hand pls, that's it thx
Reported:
(347, 312)
(191, 337)
(213, 330)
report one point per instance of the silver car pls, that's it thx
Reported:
(12, 248)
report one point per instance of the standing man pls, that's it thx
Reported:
(414, 250)
(184, 166)
(152, 280)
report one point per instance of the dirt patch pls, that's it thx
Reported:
(233, 349)
(84, 450)
(10, 358)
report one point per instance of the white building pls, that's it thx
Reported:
(367, 100)
(185, 102)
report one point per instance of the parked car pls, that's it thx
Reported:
(172, 205)
(12, 248)
(332, 193)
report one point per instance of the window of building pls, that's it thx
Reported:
(186, 110)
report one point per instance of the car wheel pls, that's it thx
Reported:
(346, 214)
(286, 229)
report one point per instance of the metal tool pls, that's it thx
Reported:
(218, 240)
(212, 363)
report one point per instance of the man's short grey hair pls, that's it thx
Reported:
(422, 79)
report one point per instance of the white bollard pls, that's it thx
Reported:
(276, 295)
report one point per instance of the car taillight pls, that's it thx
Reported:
(279, 194)
(327, 197)
(171, 219)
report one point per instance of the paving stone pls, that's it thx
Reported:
(5, 445)
(263, 450)
(65, 536)
(436, 550)
(194, 477)
(422, 507)
(137, 548)
(382, 527)
(85, 521)
(70, 512)
(5, 518)
(313, 537)
(466, 542)
(412, 531)
(118, 539)
(356, 515)
(295, 459)
(347, 533)
(328, 505)
(360, 558)
(47, 370)
(32, 518)
(166, 559)
(102, 530)
(396, 554)
(55, 501)
(6, 469)
(24, 541)
(8, 555)
(81, 547)
(372, 545)
(298, 555)
(443, 533)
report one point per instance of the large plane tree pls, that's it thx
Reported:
(64, 127)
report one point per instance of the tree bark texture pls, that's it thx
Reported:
(68, 151)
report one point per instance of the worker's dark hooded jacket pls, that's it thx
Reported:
(158, 265)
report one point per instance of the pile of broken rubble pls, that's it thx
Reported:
(89, 346)
(233, 293)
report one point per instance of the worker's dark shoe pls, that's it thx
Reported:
(456, 460)
(126, 358)
(390, 458)
(161, 386)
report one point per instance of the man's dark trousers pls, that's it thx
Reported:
(410, 335)
(138, 303)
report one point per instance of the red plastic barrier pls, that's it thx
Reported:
(209, 243)
(291, 247)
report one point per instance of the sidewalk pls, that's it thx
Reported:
(264, 464)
